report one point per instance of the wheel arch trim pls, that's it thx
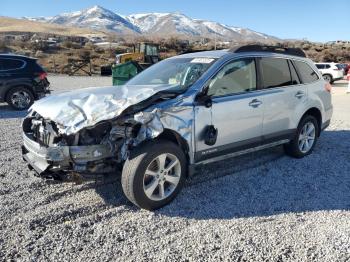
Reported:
(316, 112)
(175, 137)
(24, 85)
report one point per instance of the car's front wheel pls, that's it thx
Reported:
(154, 174)
(304, 139)
(20, 98)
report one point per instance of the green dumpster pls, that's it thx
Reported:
(122, 73)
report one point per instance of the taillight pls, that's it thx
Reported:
(42, 75)
(328, 87)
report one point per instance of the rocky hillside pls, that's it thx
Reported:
(12, 25)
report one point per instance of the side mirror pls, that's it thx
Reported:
(204, 99)
(208, 102)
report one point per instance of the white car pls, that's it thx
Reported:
(331, 72)
(179, 114)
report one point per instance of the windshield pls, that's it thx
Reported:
(179, 73)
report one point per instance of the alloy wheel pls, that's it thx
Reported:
(21, 99)
(307, 137)
(327, 78)
(162, 177)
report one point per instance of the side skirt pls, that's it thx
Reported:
(235, 154)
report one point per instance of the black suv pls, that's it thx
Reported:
(22, 81)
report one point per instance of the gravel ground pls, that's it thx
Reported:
(263, 206)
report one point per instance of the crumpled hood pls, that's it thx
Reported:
(75, 110)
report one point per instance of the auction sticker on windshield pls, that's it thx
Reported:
(202, 60)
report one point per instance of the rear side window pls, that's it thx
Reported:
(320, 66)
(306, 73)
(10, 64)
(328, 66)
(275, 72)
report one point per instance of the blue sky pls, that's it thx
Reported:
(319, 20)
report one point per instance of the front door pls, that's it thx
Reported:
(236, 111)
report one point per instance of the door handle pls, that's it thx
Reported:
(299, 94)
(255, 103)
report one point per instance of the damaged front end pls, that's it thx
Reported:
(93, 150)
(100, 146)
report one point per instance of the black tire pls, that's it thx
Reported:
(134, 170)
(27, 95)
(292, 148)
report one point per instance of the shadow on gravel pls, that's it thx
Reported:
(276, 185)
(110, 190)
(261, 184)
(6, 112)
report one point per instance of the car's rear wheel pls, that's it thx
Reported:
(20, 98)
(328, 78)
(154, 174)
(305, 138)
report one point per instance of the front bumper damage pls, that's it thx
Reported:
(49, 162)
(93, 134)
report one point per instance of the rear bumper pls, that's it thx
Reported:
(338, 78)
(327, 118)
(326, 124)
(48, 160)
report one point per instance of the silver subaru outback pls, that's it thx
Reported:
(185, 111)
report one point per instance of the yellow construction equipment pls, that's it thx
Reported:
(130, 64)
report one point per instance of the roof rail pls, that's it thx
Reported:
(266, 48)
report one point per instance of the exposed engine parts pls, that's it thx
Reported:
(97, 149)
(92, 132)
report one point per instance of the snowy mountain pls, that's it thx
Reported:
(155, 24)
(97, 18)
(145, 22)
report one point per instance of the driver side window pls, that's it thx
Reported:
(236, 77)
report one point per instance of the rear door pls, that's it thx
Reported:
(9, 72)
(12, 68)
(5, 76)
(284, 96)
(2, 78)
(321, 67)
